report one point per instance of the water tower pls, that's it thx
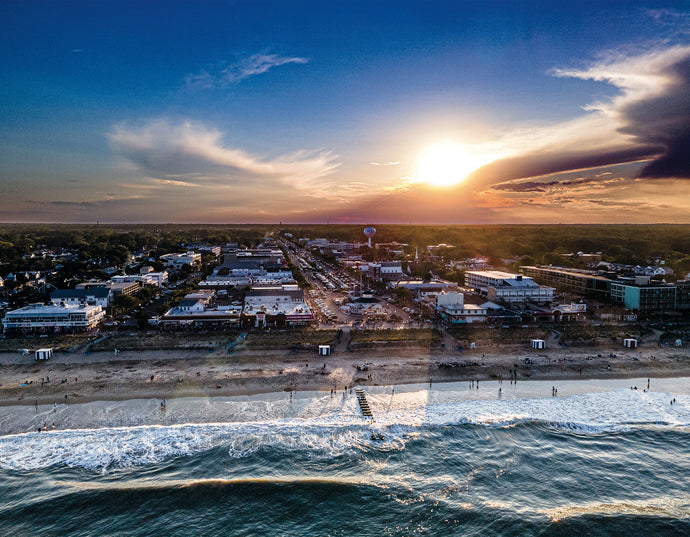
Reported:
(369, 232)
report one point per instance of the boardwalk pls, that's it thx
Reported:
(363, 404)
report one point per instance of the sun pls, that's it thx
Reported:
(447, 164)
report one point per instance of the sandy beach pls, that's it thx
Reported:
(105, 376)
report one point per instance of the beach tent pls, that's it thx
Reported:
(630, 343)
(538, 344)
(324, 350)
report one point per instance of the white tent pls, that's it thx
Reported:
(43, 354)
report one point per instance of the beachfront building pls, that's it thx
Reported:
(645, 297)
(683, 295)
(638, 293)
(38, 317)
(201, 307)
(277, 305)
(507, 288)
(583, 282)
(452, 308)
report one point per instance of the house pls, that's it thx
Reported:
(94, 296)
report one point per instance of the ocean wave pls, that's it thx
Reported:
(334, 434)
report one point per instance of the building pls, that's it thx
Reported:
(644, 298)
(429, 291)
(37, 317)
(507, 288)
(452, 308)
(427, 288)
(683, 295)
(94, 296)
(258, 256)
(159, 279)
(639, 293)
(276, 305)
(200, 307)
(386, 271)
(177, 261)
(583, 282)
(194, 312)
(116, 288)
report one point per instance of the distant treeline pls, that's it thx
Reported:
(528, 244)
(525, 244)
(111, 244)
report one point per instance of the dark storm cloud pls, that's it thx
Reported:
(536, 165)
(665, 120)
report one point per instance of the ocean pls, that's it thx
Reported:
(599, 458)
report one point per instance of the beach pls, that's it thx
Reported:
(548, 456)
(75, 377)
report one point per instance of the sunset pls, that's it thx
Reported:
(309, 268)
(478, 112)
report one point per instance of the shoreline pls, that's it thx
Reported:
(170, 374)
(259, 411)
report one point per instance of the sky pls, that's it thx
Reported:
(423, 112)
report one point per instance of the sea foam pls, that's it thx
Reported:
(324, 427)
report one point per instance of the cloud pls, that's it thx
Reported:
(234, 73)
(647, 121)
(384, 163)
(653, 108)
(191, 153)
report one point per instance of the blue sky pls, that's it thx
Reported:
(343, 111)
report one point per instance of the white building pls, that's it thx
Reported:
(38, 316)
(267, 304)
(177, 261)
(511, 289)
(452, 308)
(200, 307)
(158, 279)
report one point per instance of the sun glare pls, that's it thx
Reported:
(448, 164)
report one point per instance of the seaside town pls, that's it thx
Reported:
(366, 308)
(307, 269)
